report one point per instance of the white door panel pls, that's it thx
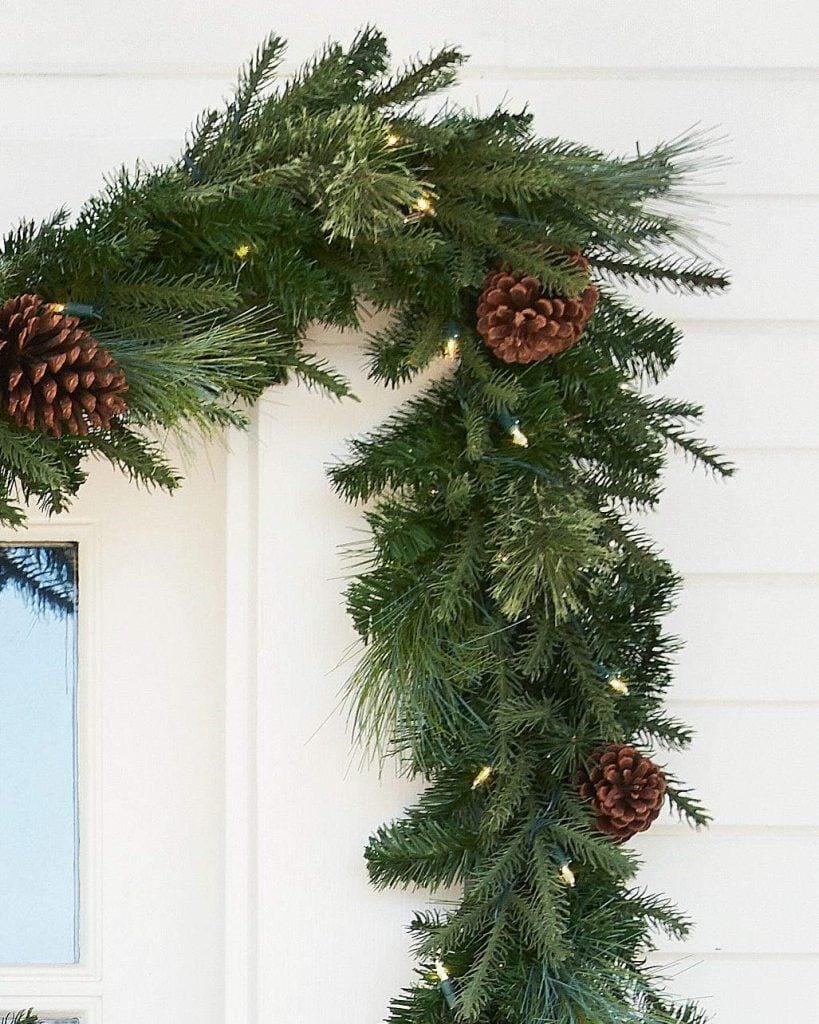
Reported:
(151, 755)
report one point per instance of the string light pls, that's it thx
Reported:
(512, 427)
(567, 875)
(447, 988)
(483, 776)
(392, 139)
(84, 310)
(421, 207)
(452, 339)
(518, 437)
(243, 251)
(619, 685)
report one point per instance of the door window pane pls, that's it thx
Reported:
(39, 828)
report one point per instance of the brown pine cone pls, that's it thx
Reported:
(54, 376)
(625, 788)
(521, 325)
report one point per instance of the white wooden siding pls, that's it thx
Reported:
(85, 86)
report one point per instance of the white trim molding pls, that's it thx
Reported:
(241, 661)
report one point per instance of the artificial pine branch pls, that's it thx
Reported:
(417, 79)
(679, 273)
(510, 613)
(496, 614)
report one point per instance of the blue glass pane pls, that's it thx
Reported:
(39, 828)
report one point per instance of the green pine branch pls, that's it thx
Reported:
(502, 588)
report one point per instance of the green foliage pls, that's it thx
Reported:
(502, 587)
(295, 204)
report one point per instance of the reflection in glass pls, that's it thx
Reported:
(39, 828)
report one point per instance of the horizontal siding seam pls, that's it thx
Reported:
(671, 73)
(750, 575)
(679, 830)
(779, 449)
(756, 704)
(775, 325)
(757, 449)
(501, 72)
(805, 198)
(662, 958)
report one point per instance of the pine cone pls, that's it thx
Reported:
(54, 376)
(521, 325)
(625, 788)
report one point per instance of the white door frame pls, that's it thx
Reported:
(241, 741)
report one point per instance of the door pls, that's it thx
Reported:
(112, 864)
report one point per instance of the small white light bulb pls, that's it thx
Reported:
(483, 776)
(518, 437)
(619, 685)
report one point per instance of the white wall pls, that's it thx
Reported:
(85, 85)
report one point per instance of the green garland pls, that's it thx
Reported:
(510, 610)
